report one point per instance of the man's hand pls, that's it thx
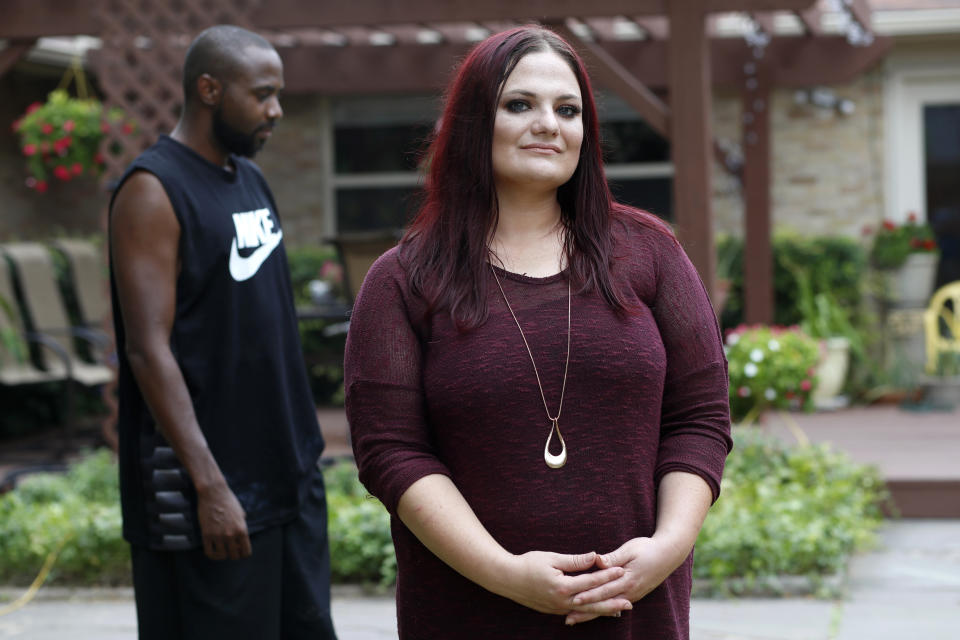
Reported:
(222, 524)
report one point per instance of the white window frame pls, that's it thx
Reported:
(912, 82)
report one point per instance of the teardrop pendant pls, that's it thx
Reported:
(555, 461)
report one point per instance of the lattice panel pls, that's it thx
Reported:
(139, 66)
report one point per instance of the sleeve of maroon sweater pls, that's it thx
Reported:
(384, 395)
(695, 416)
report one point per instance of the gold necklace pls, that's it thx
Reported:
(553, 461)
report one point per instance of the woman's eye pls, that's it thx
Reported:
(568, 111)
(516, 106)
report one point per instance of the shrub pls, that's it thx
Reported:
(787, 511)
(835, 265)
(770, 367)
(79, 510)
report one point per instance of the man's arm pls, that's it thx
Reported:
(144, 241)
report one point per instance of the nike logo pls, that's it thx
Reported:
(253, 228)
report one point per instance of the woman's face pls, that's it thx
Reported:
(538, 127)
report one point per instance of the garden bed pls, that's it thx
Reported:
(787, 522)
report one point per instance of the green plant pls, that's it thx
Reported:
(893, 243)
(770, 367)
(836, 265)
(61, 137)
(800, 510)
(323, 353)
(81, 510)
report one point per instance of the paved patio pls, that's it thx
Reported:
(909, 587)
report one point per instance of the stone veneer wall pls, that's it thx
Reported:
(827, 168)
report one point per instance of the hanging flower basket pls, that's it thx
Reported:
(60, 138)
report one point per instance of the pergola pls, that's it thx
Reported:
(635, 48)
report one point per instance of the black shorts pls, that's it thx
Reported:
(282, 591)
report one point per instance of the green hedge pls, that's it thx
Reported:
(836, 265)
(783, 511)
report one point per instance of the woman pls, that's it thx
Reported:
(535, 379)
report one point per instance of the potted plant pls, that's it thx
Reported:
(908, 254)
(60, 138)
(826, 320)
(770, 367)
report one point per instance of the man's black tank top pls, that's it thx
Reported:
(236, 340)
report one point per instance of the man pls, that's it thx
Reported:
(223, 502)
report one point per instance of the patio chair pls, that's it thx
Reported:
(46, 314)
(941, 325)
(17, 368)
(358, 251)
(88, 273)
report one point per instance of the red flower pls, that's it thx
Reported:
(743, 392)
(33, 107)
(41, 186)
(916, 243)
(127, 128)
(789, 395)
(61, 145)
(929, 245)
(98, 157)
(806, 385)
(889, 226)
(912, 216)
(46, 128)
(69, 126)
(61, 173)
(76, 169)
(29, 149)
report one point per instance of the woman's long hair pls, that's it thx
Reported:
(445, 247)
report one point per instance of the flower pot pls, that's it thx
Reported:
(832, 374)
(911, 285)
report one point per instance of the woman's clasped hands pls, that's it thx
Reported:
(590, 585)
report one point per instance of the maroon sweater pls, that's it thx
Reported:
(646, 395)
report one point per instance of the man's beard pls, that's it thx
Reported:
(234, 141)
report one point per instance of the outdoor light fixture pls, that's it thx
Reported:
(825, 99)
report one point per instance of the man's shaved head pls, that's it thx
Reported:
(218, 51)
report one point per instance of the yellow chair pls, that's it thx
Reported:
(941, 324)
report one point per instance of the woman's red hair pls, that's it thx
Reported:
(445, 247)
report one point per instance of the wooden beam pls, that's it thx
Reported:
(613, 75)
(690, 135)
(764, 21)
(797, 62)
(758, 249)
(286, 13)
(656, 27)
(12, 54)
(861, 13)
(810, 18)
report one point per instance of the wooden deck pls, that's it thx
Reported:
(917, 452)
